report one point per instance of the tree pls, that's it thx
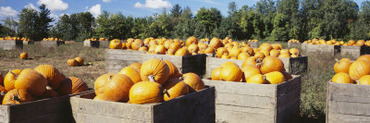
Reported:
(207, 20)
(267, 10)
(185, 26)
(27, 23)
(113, 26)
(361, 28)
(280, 32)
(10, 26)
(42, 22)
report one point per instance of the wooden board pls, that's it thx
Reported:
(238, 102)
(294, 45)
(315, 49)
(354, 51)
(51, 44)
(95, 44)
(347, 103)
(28, 42)
(194, 107)
(11, 44)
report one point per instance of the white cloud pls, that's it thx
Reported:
(95, 10)
(107, 1)
(54, 5)
(30, 5)
(154, 4)
(7, 11)
(211, 2)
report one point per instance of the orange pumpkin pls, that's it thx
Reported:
(257, 79)
(80, 61)
(294, 51)
(342, 65)
(182, 52)
(215, 43)
(160, 49)
(175, 88)
(342, 78)
(215, 75)
(191, 40)
(252, 61)
(137, 44)
(193, 48)
(194, 81)
(275, 53)
(17, 96)
(117, 88)
(116, 44)
(364, 80)
(231, 73)
(143, 48)
(155, 68)
(65, 87)
(266, 46)
(249, 71)
(49, 93)
(358, 69)
(132, 73)
(51, 74)
(275, 77)
(270, 64)
(259, 55)
(174, 72)
(32, 81)
(146, 92)
(243, 56)
(72, 62)
(2, 92)
(23, 55)
(101, 81)
(136, 66)
(221, 51)
(10, 78)
(364, 58)
(101, 97)
(175, 46)
(78, 85)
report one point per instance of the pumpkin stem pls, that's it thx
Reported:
(2, 93)
(110, 77)
(16, 76)
(48, 88)
(151, 78)
(166, 92)
(336, 60)
(264, 77)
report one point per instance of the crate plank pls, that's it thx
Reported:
(340, 118)
(95, 44)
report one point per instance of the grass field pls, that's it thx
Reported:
(313, 97)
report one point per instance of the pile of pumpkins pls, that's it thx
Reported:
(44, 81)
(226, 48)
(78, 61)
(293, 41)
(270, 70)
(52, 39)
(152, 81)
(335, 42)
(349, 72)
(10, 38)
(94, 39)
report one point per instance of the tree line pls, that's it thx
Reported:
(274, 20)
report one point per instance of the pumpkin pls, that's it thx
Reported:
(132, 73)
(10, 78)
(249, 71)
(275, 53)
(101, 81)
(143, 48)
(221, 51)
(231, 73)
(23, 55)
(72, 62)
(65, 87)
(243, 56)
(101, 97)
(215, 43)
(252, 61)
(209, 50)
(364, 80)
(78, 85)
(257, 79)
(275, 77)
(193, 48)
(156, 68)
(117, 88)
(32, 81)
(285, 51)
(123, 45)
(259, 55)
(175, 88)
(234, 52)
(174, 72)
(215, 75)
(265, 52)
(116, 44)
(17, 96)
(175, 46)
(160, 49)
(358, 69)
(342, 65)
(364, 57)
(146, 92)
(152, 49)
(342, 78)
(182, 52)
(294, 51)
(49, 92)
(270, 64)
(191, 40)
(266, 46)
(51, 74)
(194, 81)
(136, 66)
(248, 50)
(137, 44)
(80, 61)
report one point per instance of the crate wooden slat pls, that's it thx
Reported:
(116, 59)
(104, 44)
(51, 44)
(253, 44)
(95, 44)
(28, 42)
(257, 103)
(347, 103)
(294, 45)
(309, 49)
(191, 108)
(354, 51)
(11, 44)
(295, 66)
(50, 110)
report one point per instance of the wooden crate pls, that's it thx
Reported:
(11, 44)
(95, 44)
(104, 44)
(50, 110)
(69, 42)
(28, 42)
(198, 107)
(316, 49)
(253, 44)
(347, 103)
(354, 51)
(51, 44)
(190, 63)
(294, 45)
(238, 102)
(296, 66)
(116, 59)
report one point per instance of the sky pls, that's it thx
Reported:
(135, 8)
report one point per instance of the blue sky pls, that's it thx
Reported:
(136, 8)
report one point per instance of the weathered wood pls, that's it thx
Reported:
(95, 44)
(28, 42)
(11, 44)
(309, 49)
(56, 110)
(238, 102)
(354, 51)
(104, 44)
(51, 44)
(253, 44)
(347, 103)
(294, 45)
(198, 107)
(116, 59)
